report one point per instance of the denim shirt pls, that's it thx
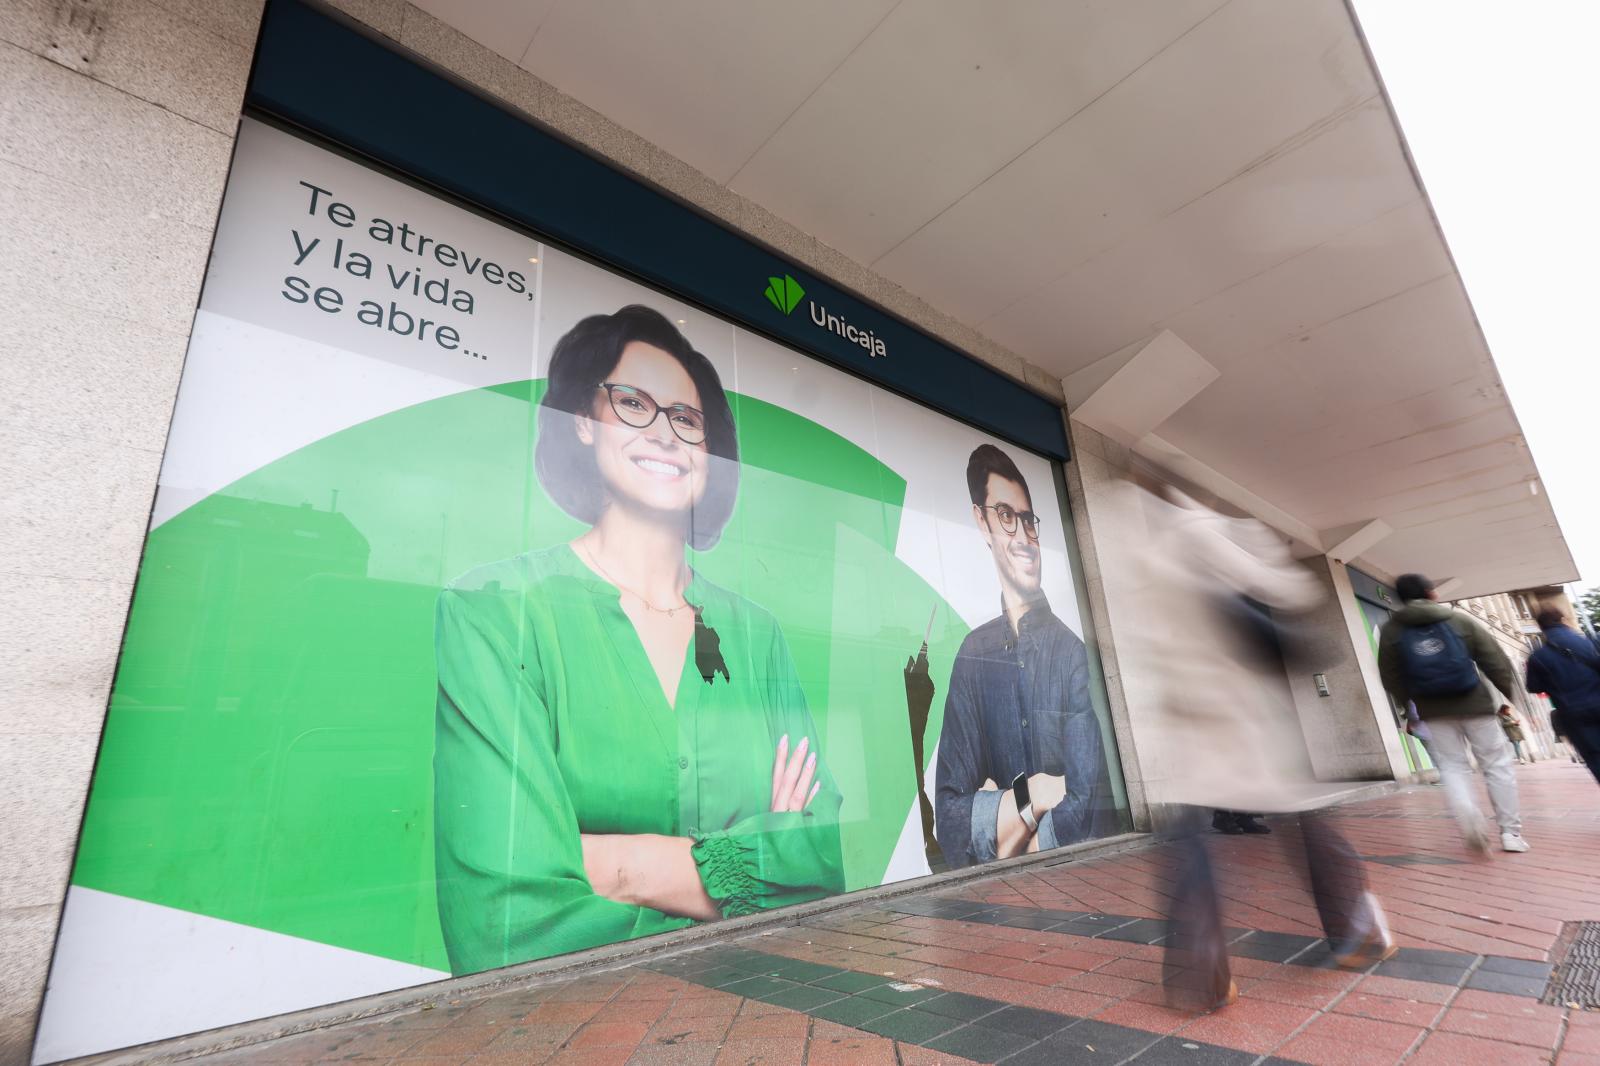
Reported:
(1019, 704)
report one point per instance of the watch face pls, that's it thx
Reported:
(1019, 787)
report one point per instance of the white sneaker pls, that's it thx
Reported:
(1513, 842)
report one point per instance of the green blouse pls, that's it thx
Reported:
(551, 723)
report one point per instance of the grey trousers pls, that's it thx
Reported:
(1448, 744)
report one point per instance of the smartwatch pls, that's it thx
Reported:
(1019, 789)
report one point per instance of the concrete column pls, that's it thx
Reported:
(1362, 733)
(116, 124)
(1098, 463)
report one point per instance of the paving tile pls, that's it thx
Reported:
(1139, 931)
(980, 1044)
(1574, 1058)
(1266, 951)
(598, 1056)
(1278, 991)
(804, 997)
(1399, 988)
(1457, 1049)
(847, 1047)
(960, 1006)
(1025, 1021)
(1251, 1025)
(452, 1041)
(851, 981)
(1176, 1051)
(1582, 1037)
(1454, 960)
(911, 1025)
(671, 1030)
(1535, 1032)
(610, 1034)
(762, 1052)
(852, 1011)
(1499, 1003)
(1029, 921)
(758, 987)
(1519, 967)
(1419, 971)
(899, 995)
(1151, 1017)
(1368, 1032)
(1388, 1009)
(781, 1024)
(1320, 1051)
(800, 970)
(1088, 1041)
(1506, 983)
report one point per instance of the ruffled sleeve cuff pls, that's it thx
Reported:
(725, 871)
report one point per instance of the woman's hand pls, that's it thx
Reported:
(792, 774)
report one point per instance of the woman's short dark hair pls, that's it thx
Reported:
(584, 358)
(986, 459)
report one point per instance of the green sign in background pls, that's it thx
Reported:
(268, 753)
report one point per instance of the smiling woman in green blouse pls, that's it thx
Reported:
(622, 747)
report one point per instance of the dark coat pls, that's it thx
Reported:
(1480, 645)
(1567, 669)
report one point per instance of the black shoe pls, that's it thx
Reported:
(1247, 824)
(1226, 822)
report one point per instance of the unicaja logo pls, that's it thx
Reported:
(785, 294)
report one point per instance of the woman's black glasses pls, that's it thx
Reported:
(638, 409)
(1009, 519)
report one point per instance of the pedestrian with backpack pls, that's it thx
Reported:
(1566, 668)
(1432, 655)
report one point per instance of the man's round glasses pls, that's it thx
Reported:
(637, 408)
(1008, 519)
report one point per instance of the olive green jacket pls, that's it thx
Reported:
(1492, 662)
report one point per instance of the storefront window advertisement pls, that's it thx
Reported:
(495, 606)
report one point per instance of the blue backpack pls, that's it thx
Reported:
(1437, 661)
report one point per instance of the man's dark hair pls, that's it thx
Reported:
(584, 358)
(1412, 587)
(986, 459)
(1550, 618)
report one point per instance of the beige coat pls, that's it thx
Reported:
(1214, 726)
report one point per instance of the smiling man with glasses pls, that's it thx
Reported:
(1021, 765)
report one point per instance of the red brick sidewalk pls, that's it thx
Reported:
(1056, 964)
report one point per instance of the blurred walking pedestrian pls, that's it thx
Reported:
(1513, 731)
(1566, 668)
(1431, 654)
(1219, 596)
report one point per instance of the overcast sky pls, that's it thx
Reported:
(1500, 103)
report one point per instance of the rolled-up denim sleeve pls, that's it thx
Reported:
(958, 780)
(985, 821)
(1076, 817)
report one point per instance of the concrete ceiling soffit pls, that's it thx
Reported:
(1129, 395)
(1128, 402)
(1350, 543)
(1163, 453)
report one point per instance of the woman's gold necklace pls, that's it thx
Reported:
(668, 611)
